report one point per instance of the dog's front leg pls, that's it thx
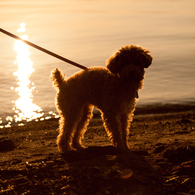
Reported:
(125, 121)
(114, 128)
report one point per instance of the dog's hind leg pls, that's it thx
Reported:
(82, 127)
(67, 128)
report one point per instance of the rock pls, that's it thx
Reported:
(6, 144)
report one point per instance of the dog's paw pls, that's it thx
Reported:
(79, 147)
(64, 148)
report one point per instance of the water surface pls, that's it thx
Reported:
(88, 32)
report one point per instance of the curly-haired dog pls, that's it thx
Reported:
(112, 90)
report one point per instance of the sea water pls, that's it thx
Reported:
(88, 32)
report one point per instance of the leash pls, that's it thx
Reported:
(42, 49)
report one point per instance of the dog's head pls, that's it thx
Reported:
(129, 62)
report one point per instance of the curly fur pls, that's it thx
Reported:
(112, 90)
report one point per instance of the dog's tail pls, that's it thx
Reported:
(57, 77)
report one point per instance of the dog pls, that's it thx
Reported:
(112, 90)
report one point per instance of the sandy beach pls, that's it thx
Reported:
(161, 160)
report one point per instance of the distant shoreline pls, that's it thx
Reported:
(147, 109)
(161, 108)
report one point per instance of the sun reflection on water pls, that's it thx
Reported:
(24, 107)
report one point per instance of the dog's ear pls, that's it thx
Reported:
(115, 63)
(147, 59)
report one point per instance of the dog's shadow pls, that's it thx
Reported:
(89, 153)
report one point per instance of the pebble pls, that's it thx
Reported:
(6, 144)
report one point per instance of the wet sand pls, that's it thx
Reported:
(161, 159)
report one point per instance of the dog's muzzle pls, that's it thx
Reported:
(134, 76)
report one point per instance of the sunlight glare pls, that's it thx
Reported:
(22, 27)
(24, 108)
